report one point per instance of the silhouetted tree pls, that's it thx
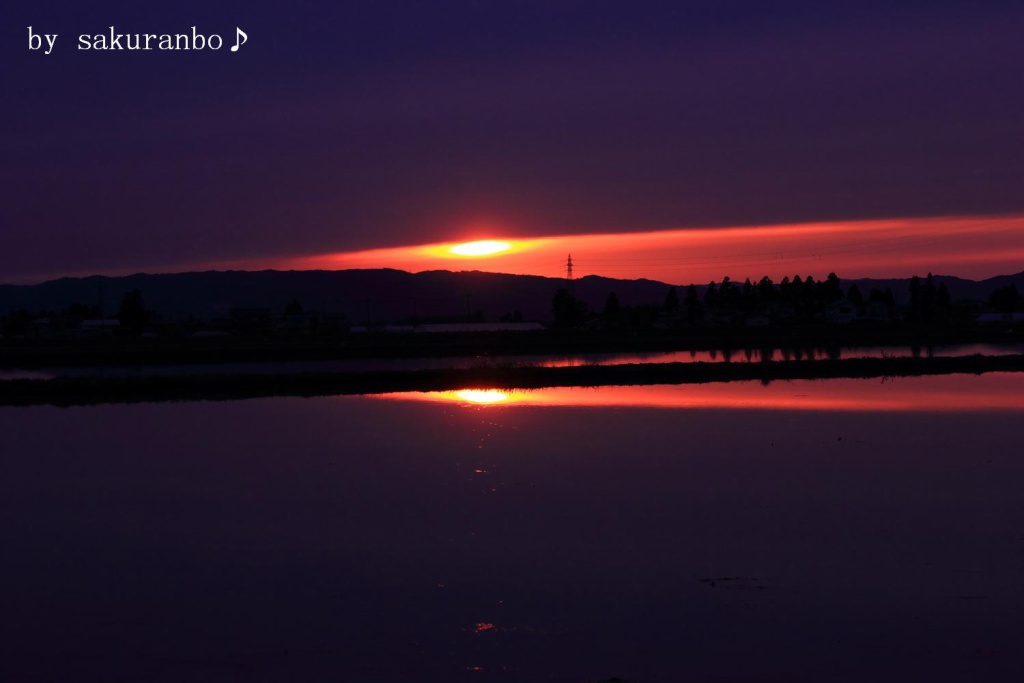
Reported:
(943, 301)
(294, 307)
(766, 289)
(885, 298)
(711, 295)
(916, 299)
(794, 292)
(786, 290)
(567, 309)
(890, 302)
(924, 299)
(692, 304)
(1005, 299)
(611, 305)
(748, 296)
(728, 294)
(16, 322)
(929, 295)
(806, 296)
(132, 311)
(642, 317)
(671, 299)
(854, 296)
(809, 290)
(832, 289)
(692, 299)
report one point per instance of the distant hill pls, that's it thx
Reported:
(381, 294)
(359, 294)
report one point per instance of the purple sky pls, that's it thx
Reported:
(366, 124)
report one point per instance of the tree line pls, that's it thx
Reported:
(796, 299)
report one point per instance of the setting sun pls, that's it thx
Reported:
(481, 248)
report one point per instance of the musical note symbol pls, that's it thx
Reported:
(240, 38)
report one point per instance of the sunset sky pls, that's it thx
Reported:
(679, 141)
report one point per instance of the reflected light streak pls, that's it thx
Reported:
(972, 247)
(942, 393)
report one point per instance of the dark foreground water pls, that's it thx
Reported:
(846, 530)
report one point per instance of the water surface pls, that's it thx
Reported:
(845, 530)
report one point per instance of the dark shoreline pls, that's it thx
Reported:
(43, 353)
(80, 391)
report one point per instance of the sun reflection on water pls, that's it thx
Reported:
(479, 396)
(993, 391)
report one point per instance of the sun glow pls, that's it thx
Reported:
(976, 247)
(481, 248)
